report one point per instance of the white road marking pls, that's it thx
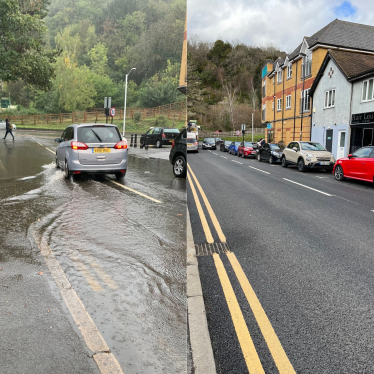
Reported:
(50, 150)
(310, 188)
(258, 169)
(372, 210)
(237, 162)
(320, 177)
(40, 144)
(2, 167)
(224, 157)
(139, 193)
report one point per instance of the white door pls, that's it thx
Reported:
(341, 144)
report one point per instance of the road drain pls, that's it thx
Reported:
(207, 249)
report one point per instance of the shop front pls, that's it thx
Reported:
(362, 131)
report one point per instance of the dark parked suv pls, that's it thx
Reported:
(158, 136)
(178, 155)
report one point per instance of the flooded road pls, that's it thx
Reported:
(123, 254)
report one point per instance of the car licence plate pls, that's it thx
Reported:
(100, 150)
(324, 163)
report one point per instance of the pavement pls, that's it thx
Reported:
(92, 271)
(288, 287)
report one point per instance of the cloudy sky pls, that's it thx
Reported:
(281, 23)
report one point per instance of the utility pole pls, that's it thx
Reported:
(124, 111)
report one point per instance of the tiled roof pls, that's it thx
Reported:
(353, 64)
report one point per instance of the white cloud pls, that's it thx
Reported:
(282, 23)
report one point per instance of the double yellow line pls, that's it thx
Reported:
(246, 343)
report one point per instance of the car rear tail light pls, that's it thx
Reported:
(163, 136)
(195, 143)
(121, 145)
(78, 145)
(76, 172)
(172, 144)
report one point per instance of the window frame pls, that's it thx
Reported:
(302, 103)
(289, 70)
(288, 101)
(329, 98)
(279, 74)
(367, 90)
(279, 105)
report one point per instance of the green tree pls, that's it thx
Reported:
(99, 59)
(22, 49)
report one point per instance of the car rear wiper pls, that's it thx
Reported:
(97, 136)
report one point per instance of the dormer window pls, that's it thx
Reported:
(279, 76)
(306, 67)
(289, 70)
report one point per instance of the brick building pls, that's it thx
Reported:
(286, 105)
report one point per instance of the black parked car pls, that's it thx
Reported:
(270, 152)
(209, 143)
(224, 146)
(158, 136)
(178, 155)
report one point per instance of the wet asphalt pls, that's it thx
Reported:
(123, 254)
(308, 256)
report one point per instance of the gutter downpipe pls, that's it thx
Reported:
(282, 105)
(274, 107)
(350, 119)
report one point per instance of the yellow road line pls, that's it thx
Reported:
(280, 358)
(50, 150)
(40, 144)
(204, 223)
(91, 280)
(139, 193)
(2, 167)
(101, 273)
(213, 217)
(249, 351)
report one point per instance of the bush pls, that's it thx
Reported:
(137, 116)
(160, 121)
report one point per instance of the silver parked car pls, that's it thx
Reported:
(92, 148)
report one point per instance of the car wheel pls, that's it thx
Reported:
(301, 165)
(339, 175)
(239, 155)
(258, 157)
(67, 171)
(141, 145)
(120, 175)
(158, 144)
(284, 162)
(271, 160)
(179, 167)
(57, 165)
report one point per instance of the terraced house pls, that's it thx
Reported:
(287, 108)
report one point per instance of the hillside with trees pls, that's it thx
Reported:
(224, 83)
(89, 46)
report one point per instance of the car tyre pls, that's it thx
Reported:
(158, 144)
(119, 175)
(284, 162)
(57, 165)
(180, 167)
(339, 175)
(68, 173)
(259, 157)
(271, 159)
(301, 165)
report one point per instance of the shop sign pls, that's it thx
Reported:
(362, 118)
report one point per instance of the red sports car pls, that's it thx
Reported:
(359, 165)
(247, 149)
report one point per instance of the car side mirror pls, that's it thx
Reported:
(294, 148)
(58, 140)
(350, 155)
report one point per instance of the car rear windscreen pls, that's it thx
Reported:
(191, 140)
(171, 131)
(98, 134)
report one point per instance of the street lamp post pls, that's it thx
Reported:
(303, 94)
(124, 111)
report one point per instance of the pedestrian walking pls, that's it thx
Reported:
(8, 128)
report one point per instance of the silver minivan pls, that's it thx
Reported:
(92, 148)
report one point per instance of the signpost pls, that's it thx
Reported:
(237, 133)
(243, 132)
(107, 105)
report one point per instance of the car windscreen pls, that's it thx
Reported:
(309, 146)
(248, 144)
(209, 140)
(191, 140)
(171, 131)
(237, 144)
(275, 147)
(98, 134)
(227, 142)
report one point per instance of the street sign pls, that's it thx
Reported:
(105, 102)
(243, 127)
(112, 112)
(109, 102)
(269, 126)
(238, 132)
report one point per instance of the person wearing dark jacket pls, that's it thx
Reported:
(8, 129)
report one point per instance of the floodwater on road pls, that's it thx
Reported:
(123, 254)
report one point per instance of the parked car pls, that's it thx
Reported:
(270, 152)
(224, 146)
(209, 143)
(92, 148)
(359, 165)
(192, 144)
(247, 149)
(158, 136)
(307, 155)
(178, 154)
(219, 141)
(233, 148)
